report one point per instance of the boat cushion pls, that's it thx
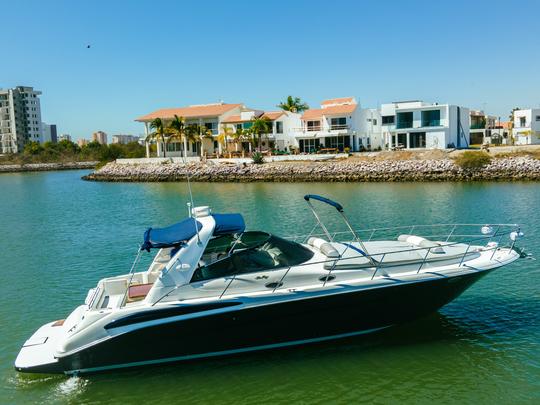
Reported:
(324, 247)
(422, 243)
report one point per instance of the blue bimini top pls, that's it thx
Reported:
(181, 232)
(174, 235)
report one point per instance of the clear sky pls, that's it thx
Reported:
(146, 55)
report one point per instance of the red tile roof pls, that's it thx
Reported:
(316, 113)
(193, 111)
(342, 100)
(270, 115)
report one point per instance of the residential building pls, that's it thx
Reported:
(20, 118)
(526, 127)
(82, 142)
(124, 139)
(100, 137)
(282, 126)
(209, 116)
(416, 124)
(339, 124)
(64, 137)
(48, 133)
(487, 129)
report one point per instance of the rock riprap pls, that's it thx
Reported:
(513, 168)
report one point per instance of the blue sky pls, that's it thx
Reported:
(147, 55)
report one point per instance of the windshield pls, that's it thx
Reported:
(254, 251)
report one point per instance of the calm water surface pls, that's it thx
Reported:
(60, 235)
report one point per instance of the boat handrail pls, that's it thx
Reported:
(377, 259)
(382, 256)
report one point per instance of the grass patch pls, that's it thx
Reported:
(473, 160)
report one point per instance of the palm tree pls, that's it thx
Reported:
(177, 130)
(224, 135)
(293, 104)
(196, 133)
(158, 133)
(260, 127)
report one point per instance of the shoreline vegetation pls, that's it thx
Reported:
(370, 167)
(67, 155)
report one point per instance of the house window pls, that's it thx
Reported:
(279, 127)
(238, 127)
(309, 145)
(431, 118)
(216, 146)
(211, 126)
(374, 121)
(338, 123)
(522, 121)
(537, 118)
(247, 125)
(313, 125)
(404, 120)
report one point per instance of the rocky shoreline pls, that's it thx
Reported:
(40, 167)
(500, 169)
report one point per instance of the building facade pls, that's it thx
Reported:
(49, 133)
(339, 124)
(209, 118)
(487, 129)
(281, 130)
(526, 128)
(124, 139)
(100, 137)
(64, 137)
(416, 124)
(20, 118)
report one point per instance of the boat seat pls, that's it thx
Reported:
(324, 247)
(138, 291)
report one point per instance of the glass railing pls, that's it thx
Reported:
(338, 127)
(478, 126)
(404, 124)
(431, 123)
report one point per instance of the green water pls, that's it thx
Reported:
(59, 235)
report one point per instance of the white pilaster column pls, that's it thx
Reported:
(147, 149)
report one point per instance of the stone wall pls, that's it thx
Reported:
(515, 168)
(39, 167)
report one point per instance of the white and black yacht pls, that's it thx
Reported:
(214, 289)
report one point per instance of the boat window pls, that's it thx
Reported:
(255, 251)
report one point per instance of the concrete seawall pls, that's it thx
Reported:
(513, 168)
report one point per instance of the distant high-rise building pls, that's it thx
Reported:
(100, 137)
(20, 118)
(49, 133)
(124, 139)
(82, 142)
(64, 137)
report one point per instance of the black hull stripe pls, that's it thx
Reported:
(235, 331)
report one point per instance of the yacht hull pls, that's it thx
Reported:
(253, 326)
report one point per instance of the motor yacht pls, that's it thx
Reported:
(215, 288)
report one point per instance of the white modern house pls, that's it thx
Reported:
(416, 124)
(209, 116)
(526, 129)
(340, 123)
(282, 126)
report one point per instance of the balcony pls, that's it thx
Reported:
(339, 127)
(313, 128)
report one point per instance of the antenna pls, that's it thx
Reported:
(191, 204)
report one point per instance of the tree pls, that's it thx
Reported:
(293, 104)
(158, 134)
(224, 136)
(260, 127)
(177, 130)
